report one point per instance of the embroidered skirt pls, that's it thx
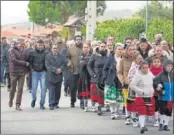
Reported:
(111, 95)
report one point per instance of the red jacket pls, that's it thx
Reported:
(155, 71)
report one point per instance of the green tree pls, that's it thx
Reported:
(59, 11)
(156, 9)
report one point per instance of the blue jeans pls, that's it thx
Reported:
(36, 77)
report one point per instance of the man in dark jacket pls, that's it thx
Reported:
(55, 64)
(18, 64)
(38, 69)
(4, 49)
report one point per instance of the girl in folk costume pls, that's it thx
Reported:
(131, 94)
(156, 68)
(112, 96)
(122, 73)
(84, 80)
(95, 67)
(163, 83)
(142, 84)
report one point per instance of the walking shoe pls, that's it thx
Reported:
(156, 124)
(86, 109)
(42, 107)
(99, 111)
(33, 103)
(135, 122)
(128, 120)
(72, 105)
(166, 128)
(18, 108)
(10, 103)
(161, 128)
(113, 116)
(142, 130)
(51, 107)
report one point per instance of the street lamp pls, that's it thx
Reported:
(146, 18)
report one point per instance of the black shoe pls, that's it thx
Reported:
(51, 108)
(161, 128)
(33, 103)
(166, 128)
(72, 105)
(142, 130)
(99, 111)
(42, 107)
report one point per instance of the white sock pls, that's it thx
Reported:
(156, 116)
(142, 120)
(112, 108)
(133, 115)
(117, 106)
(166, 121)
(162, 118)
(127, 112)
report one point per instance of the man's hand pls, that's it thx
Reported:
(58, 71)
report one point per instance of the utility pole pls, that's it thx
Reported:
(147, 19)
(90, 17)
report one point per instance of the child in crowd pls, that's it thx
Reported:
(156, 68)
(142, 84)
(163, 83)
(131, 94)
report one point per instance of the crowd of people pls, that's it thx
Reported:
(136, 74)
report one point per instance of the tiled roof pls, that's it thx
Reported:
(8, 34)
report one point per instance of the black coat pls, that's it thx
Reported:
(95, 66)
(110, 73)
(109, 70)
(52, 64)
(37, 60)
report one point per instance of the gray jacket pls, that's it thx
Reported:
(52, 63)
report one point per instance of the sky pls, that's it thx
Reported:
(16, 11)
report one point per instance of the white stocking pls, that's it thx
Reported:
(142, 120)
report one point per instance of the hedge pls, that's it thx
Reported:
(133, 27)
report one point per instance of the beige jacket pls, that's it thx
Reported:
(73, 58)
(123, 68)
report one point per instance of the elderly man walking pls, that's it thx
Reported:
(18, 64)
(54, 63)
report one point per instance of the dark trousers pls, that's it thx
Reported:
(54, 93)
(29, 81)
(7, 76)
(163, 109)
(73, 87)
(17, 79)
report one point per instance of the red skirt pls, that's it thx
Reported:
(97, 95)
(131, 107)
(145, 109)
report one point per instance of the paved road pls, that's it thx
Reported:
(65, 120)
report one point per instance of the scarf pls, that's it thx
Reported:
(155, 71)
